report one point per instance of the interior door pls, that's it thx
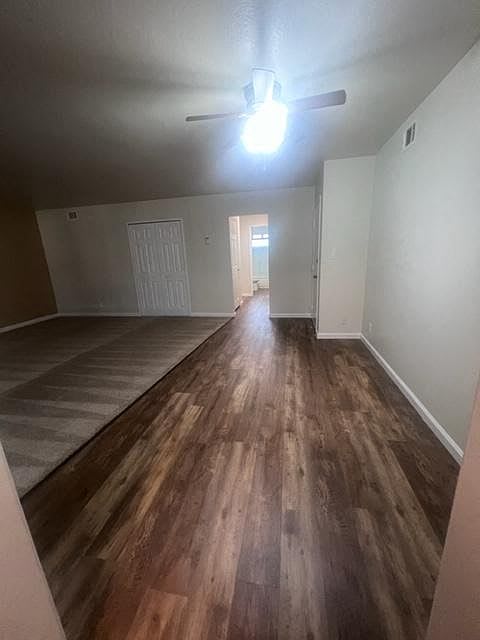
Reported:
(234, 222)
(159, 267)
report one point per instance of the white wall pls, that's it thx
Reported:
(345, 220)
(89, 259)
(27, 609)
(423, 282)
(245, 257)
(317, 228)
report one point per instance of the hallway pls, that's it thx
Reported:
(272, 486)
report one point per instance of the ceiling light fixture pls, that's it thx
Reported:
(265, 128)
(266, 113)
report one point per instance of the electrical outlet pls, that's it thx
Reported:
(370, 327)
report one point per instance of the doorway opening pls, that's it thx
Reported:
(250, 258)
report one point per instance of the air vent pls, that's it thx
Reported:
(72, 215)
(410, 135)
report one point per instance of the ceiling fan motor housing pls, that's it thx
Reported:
(249, 93)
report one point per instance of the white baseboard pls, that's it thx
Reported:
(19, 325)
(447, 441)
(137, 314)
(290, 315)
(338, 336)
(206, 314)
(100, 314)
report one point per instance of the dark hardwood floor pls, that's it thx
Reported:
(271, 487)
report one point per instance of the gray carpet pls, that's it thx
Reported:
(62, 380)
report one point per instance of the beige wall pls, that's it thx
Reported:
(89, 259)
(25, 288)
(422, 310)
(456, 607)
(245, 253)
(345, 221)
(26, 606)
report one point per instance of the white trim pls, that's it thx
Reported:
(122, 314)
(209, 314)
(338, 336)
(447, 441)
(94, 314)
(290, 315)
(19, 325)
(114, 314)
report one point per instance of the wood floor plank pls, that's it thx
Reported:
(271, 487)
(302, 591)
(259, 561)
(254, 613)
(217, 544)
(158, 616)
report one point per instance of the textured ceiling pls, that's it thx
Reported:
(94, 93)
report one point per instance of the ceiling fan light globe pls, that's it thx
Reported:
(265, 128)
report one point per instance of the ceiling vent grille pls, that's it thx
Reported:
(410, 135)
(72, 215)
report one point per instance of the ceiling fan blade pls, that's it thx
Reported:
(214, 116)
(331, 99)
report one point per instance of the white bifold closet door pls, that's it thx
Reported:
(160, 268)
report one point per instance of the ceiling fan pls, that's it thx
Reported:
(266, 113)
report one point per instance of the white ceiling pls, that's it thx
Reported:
(94, 93)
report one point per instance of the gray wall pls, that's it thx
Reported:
(90, 266)
(422, 310)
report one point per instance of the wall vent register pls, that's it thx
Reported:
(410, 135)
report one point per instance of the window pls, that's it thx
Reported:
(260, 236)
